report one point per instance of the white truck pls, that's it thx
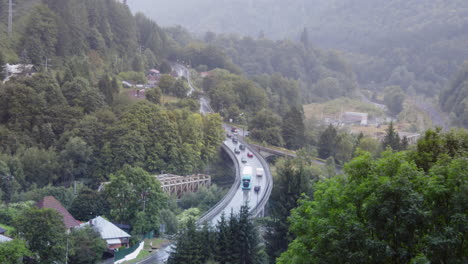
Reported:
(259, 172)
(246, 177)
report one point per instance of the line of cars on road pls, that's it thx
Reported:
(247, 177)
(247, 172)
(238, 151)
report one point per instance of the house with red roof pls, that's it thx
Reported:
(52, 203)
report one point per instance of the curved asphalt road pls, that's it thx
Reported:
(228, 203)
(242, 197)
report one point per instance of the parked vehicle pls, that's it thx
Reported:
(243, 160)
(233, 129)
(257, 188)
(250, 155)
(242, 147)
(228, 135)
(246, 177)
(234, 140)
(236, 151)
(259, 172)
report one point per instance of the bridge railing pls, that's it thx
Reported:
(216, 209)
(269, 184)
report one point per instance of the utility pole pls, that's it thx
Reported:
(66, 252)
(46, 63)
(10, 18)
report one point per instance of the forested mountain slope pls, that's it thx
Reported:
(454, 98)
(321, 75)
(415, 44)
(72, 120)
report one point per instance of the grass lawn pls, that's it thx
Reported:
(143, 254)
(155, 242)
(169, 99)
(335, 107)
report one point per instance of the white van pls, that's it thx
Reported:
(259, 172)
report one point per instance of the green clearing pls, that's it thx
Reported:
(149, 243)
(337, 106)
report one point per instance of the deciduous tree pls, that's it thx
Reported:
(44, 231)
(86, 246)
(12, 252)
(131, 191)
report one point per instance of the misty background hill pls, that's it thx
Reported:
(418, 45)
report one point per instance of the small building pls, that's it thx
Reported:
(4, 239)
(114, 236)
(411, 137)
(355, 118)
(18, 70)
(153, 77)
(127, 84)
(52, 203)
(205, 74)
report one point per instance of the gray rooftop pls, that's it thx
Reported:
(107, 229)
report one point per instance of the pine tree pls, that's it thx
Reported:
(404, 143)
(248, 239)
(187, 247)
(391, 139)
(293, 129)
(234, 250)
(207, 242)
(222, 241)
(40, 37)
(327, 143)
(291, 181)
(305, 38)
(105, 86)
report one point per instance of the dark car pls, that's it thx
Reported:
(242, 147)
(243, 160)
(228, 135)
(233, 129)
(250, 155)
(236, 151)
(257, 188)
(234, 140)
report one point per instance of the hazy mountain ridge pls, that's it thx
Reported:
(415, 44)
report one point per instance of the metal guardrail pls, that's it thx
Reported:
(217, 208)
(269, 185)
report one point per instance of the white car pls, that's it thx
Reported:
(259, 172)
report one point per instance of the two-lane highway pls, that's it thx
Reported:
(244, 197)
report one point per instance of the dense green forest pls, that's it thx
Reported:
(321, 75)
(415, 45)
(72, 125)
(405, 207)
